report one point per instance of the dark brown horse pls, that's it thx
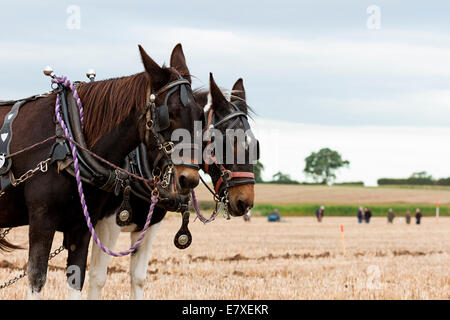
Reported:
(240, 200)
(114, 125)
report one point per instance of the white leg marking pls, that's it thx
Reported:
(33, 296)
(73, 294)
(108, 232)
(139, 261)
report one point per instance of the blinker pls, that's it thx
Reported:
(184, 96)
(257, 149)
(162, 118)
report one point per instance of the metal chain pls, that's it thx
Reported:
(42, 166)
(23, 274)
(225, 201)
(13, 280)
(56, 252)
(165, 182)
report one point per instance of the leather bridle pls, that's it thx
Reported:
(157, 120)
(228, 178)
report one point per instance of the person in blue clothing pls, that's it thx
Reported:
(360, 215)
(274, 216)
(320, 213)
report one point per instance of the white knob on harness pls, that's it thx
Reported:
(48, 71)
(91, 74)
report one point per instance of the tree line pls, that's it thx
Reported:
(421, 178)
(322, 166)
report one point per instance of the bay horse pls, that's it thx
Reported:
(241, 197)
(115, 123)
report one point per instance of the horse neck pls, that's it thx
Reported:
(115, 145)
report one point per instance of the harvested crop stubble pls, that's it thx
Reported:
(295, 259)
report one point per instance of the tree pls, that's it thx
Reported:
(282, 178)
(421, 175)
(322, 165)
(258, 169)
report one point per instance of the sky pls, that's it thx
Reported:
(373, 84)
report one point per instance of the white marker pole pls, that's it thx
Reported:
(437, 212)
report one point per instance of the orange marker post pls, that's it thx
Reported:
(343, 239)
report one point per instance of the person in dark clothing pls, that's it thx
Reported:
(418, 216)
(408, 217)
(391, 216)
(320, 213)
(360, 215)
(367, 215)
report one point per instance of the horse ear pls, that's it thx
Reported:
(178, 61)
(157, 75)
(238, 91)
(216, 94)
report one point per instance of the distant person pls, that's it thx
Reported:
(320, 213)
(367, 215)
(418, 216)
(360, 215)
(274, 216)
(408, 217)
(391, 216)
(247, 216)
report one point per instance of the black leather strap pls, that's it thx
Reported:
(6, 136)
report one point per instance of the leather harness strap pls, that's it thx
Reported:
(232, 175)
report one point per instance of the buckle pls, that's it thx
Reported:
(226, 175)
(168, 147)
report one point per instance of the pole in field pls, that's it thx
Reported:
(437, 211)
(343, 239)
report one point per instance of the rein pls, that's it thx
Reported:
(64, 82)
(164, 148)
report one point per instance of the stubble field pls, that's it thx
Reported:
(298, 194)
(294, 259)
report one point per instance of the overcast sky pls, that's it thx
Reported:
(313, 64)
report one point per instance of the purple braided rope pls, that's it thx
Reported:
(84, 207)
(197, 210)
(65, 82)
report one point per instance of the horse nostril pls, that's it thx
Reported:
(243, 206)
(187, 182)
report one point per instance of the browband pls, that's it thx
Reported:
(172, 84)
(231, 116)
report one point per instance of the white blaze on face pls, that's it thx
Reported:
(209, 103)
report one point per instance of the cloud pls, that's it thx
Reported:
(344, 76)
